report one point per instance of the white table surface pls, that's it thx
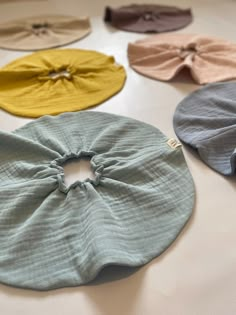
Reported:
(197, 274)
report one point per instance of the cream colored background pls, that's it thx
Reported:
(197, 275)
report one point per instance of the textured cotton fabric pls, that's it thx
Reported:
(56, 81)
(54, 236)
(161, 57)
(206, 120)
(148, 18)
(42, 32)
(6, 1)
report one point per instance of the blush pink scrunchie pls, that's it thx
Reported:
(161, 57)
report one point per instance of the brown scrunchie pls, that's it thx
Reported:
(148, 18)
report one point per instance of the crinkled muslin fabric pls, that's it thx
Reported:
(162, 56)
(148, 18)
(206, 120)
(56, 81)
(54, 236)
(43, 32)
(18, 1)
(6, 1)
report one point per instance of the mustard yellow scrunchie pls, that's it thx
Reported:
(55, 81)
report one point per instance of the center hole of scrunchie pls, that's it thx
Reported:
(55, 75)
(149, 16)
(38, 26)
(77, 170)
(189, 50)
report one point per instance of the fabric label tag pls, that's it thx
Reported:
(173, 143)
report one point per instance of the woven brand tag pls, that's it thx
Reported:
(173, 143)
